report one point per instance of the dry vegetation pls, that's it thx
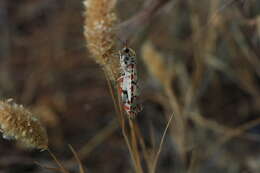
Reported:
(20, 124)
(199, 72)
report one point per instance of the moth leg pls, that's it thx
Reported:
(132, 115)
(120, 79)
(124, 96)
(139, 107)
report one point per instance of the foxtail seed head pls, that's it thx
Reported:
(100, 20)
(155, 64)
(18, 123)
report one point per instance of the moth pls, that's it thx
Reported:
(128, 82)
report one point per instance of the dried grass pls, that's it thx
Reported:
(154, 62)
(100, 20)
(61, 168)
(18, 123)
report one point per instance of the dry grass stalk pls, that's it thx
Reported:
(157, 67)
(120, 115)
(61, 168)
(139, 21)
(156, 158)
(18, 123)
(258, 26)
(100, 20)
(155, 64)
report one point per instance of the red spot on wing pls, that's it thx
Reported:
(120, 90)
(127, 108)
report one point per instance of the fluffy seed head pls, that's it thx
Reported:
(154, 61)
(100, 20)
(18, 123)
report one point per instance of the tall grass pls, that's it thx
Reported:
(100, 41)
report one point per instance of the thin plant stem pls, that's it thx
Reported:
(135, 145)
(111, 91)
(62, 168)
(161, 144)
(126, 138)
(120, 115)
(81, 169)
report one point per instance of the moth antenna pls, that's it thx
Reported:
(126, 43)
(123, 42)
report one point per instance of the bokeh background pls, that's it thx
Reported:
(197, 59)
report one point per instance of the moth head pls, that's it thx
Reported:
(128, 51)
(127, 56)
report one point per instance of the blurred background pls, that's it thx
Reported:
(199, 59)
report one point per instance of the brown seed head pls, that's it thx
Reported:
(18, 123)
(154, 61)
(100, 20)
